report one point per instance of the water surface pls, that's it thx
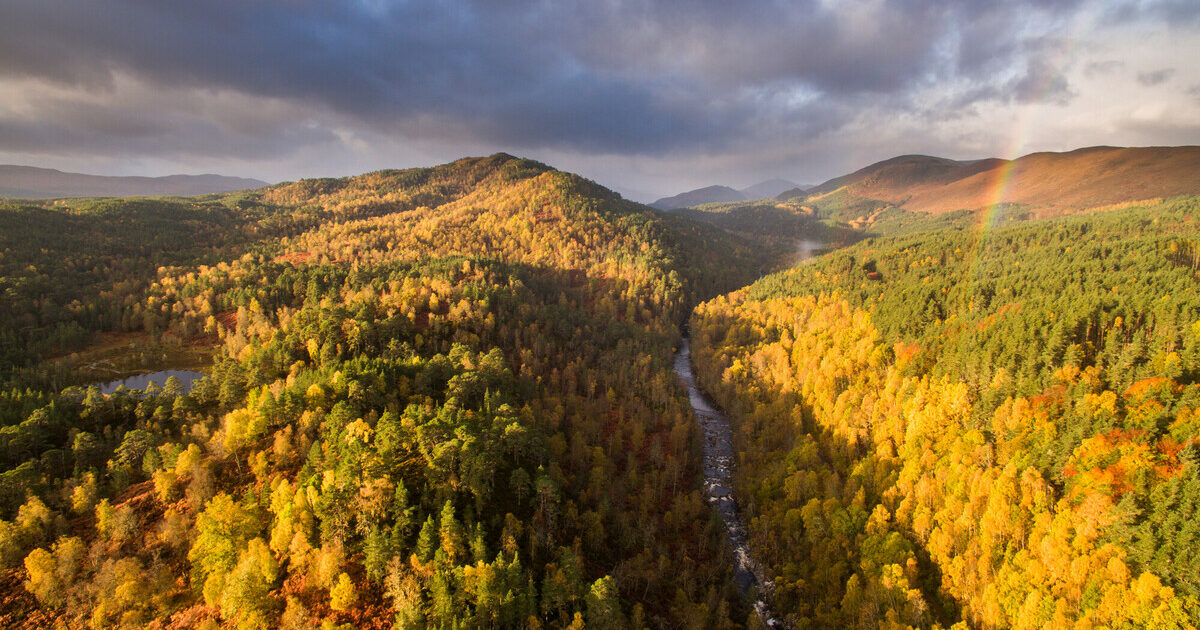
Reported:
(142, 381)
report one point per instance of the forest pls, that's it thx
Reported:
(987, 424)
(438, 398)
(444, 398)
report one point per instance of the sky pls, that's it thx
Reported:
(647, 98)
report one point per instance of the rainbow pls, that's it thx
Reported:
(1014, 148)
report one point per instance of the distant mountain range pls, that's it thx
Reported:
(723, 194)
(28, 182)
(1049, 183)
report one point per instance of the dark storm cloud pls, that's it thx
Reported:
(487, 68)
(626, 77)
(593, 78)
(872, 47)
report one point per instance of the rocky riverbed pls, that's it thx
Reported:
(718, 485)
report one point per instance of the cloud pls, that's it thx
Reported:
(1155, 77)
(132, 118)
(1170, 128)
(734, 86)
(1102, 68)
(1042, 83)
(1173, 12)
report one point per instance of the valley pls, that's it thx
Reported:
(577, 315)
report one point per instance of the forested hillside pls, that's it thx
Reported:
(440, 398)
(985, 425)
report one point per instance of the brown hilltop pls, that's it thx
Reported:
(1050, 183)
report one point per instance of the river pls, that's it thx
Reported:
(718, 483)
(718, 467)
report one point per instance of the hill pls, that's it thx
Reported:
(28, 182)
(1045, 183)
(439, 398)
(708, 194)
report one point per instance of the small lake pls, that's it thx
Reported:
(142, 381)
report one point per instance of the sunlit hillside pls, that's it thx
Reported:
(1047, 184)
(993, 426)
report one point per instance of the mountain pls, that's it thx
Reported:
(708, 194)
(902, 173)
(1049, 183)
(28, 182)
(769, 188)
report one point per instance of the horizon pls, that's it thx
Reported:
(740, 189)
(642, 99)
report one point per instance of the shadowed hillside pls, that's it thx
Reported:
(770, 188)
(725, 194)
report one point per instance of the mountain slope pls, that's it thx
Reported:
(27, 182)
(886, 178)
(1048, 183)
(1078, 179)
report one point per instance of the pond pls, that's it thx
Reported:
(142, 381)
